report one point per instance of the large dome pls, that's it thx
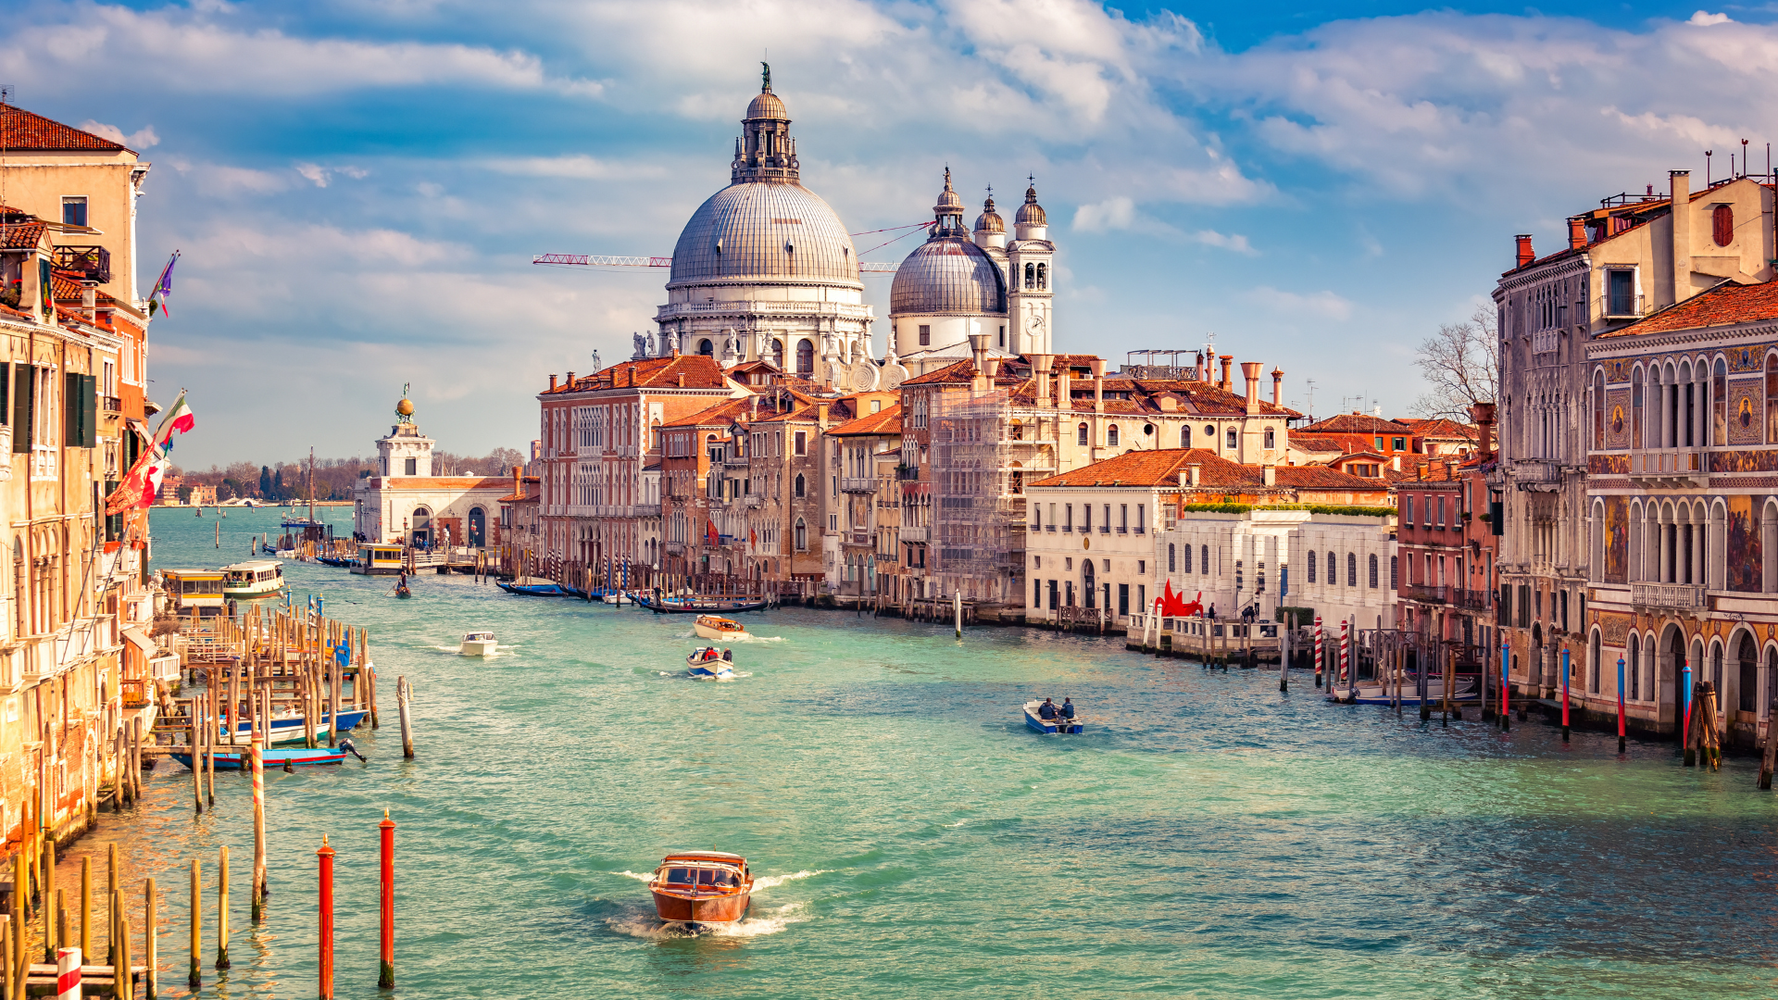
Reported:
(764, 229)
(947, 275)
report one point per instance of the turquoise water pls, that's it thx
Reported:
(1208, 837)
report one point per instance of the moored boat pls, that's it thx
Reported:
(1377, 692)
(708, 664)
(477, 644)
(237, 760)
(288, 728)
(702, 887)
(249, 580)
(695, 605)
(1034, 720)
(533, 589)
(715, 627)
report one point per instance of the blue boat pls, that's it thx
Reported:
(534, 589)
(1038, 723)
(241, 760)
(289, 729)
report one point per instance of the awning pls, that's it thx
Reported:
(141, 641)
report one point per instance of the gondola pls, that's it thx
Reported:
(235, 760)
(402, 592)
(695, 605)
(534, 589)
(343, 562)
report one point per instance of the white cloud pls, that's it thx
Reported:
(314, 173)
(1323, 305)
(138, 140)
(578, 166)
(1234, 242)
(1113, 213)
(1705, 20)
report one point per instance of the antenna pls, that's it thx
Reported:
(1311, 384)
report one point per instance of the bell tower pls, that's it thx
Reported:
(1030, 286)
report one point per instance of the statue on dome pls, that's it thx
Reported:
(641, 343)
(404, 410)
(765, 75)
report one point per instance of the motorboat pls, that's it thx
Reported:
(617, 597)
(253, 579)
(287, 726)
(477, 644)
(710, 664)
(240, 760)
(702, 887)
(1037, 722)
(713, 627)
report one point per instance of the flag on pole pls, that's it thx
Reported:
(177, 421)
(141, 485)
(157, 299)
(710, 536)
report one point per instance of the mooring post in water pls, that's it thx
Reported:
(1565, 696)
(1319, 660)
(196, 978)
(151, 951)
(1284, 653)
(386, 895)
(123, 979)
(17, 951)
(49, 898)
(957, 600)
(1685, 689)
(68, 974)
(258, 893)
(222, 909)
(197, 758)
(61, 919)
(1505, 686)
(325, 937)
(1620, 704)
(407, 726)
(86, 905)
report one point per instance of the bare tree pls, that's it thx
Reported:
(1461, 363)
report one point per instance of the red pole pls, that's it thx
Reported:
(1620, 704)
(386, 969)
(326, 970)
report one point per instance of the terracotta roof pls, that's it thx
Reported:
(1440, 427)
(961, 371)
(1315, 443)
(515, 498)
(21, 236)
(25, 130)
(444, 482)
(1156, 468)
(700, 371)
(1320, 477)
(1727, 304)
(887, 421)
(1356, 423)
(720, 414)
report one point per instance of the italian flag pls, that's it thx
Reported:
(141, 485)
(177, 421)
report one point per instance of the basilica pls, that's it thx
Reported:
(766, 271)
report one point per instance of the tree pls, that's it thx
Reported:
(1461, 364)
(265, 481)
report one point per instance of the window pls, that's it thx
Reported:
(1407, 509)
(411, 467)
(1003, 337)
(1633, 668)
(1188, 558)
(1030, 275)
(1333, 569)
(925, 335)
(1311, 565)
(1271, 438)
(1722, 225)
(1231, 437)
(1141, 518)
(1086, 517)
(1123, 518)
(1111, 436)
(1719, 402)
(1204, 559)
(706, 348)
(1105, 525)
(802, 536)
(1068, 517)
(1080, 435)
(1400, 444)
(802, 442)
(805, 357)
(1185, 433)
(74, 211)
(1170, 560)
(799, 485)
(1373, 572)
(1620, 292)
(1351, 569)
(1441, 511)
(1043, 276)
(1392, 579)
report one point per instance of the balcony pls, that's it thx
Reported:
(913, 534)
(754, 500)
(1425, 595)
(1537, 470)
(111, 404)
(675, 548)
(1668, 466)
(858, 484)
(1675, 596)
(645, 510)
(1624, 306)
(93, 263)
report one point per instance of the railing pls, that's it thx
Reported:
(1543, 342)
(646, 510)
(675, 548)
(1667, 462)
(1669, 595)
(913, 534)
(1537, 470)
(754, 500)
(1624, 306)
(94, 263)
(111, 404)
(858, 484)
(1428, 595)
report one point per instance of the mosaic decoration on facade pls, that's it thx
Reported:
(1617, 419)
(1746, 359)
(1608, 465)
(1617, 539)
(1745, 403)
(1744, 553)
(1614, 629)
(1617, 371)
(1744, 461)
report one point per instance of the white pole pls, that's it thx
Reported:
(957, 601)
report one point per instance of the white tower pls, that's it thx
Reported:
(1030, 286)
(405, 451)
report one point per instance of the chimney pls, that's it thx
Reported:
(1397, 462)
(1526, 255)
(518, 481)
(681, 380)
(1250, 372)
(1577, 232)
(1064, 387)
(1269, 474)
(1681, 216)
(978, 350)
(552, 383)
(1184, 479)
(1277, 387)
(89, 302)
(993, 371)
(1040, 367)
(821, 415)
(1201, 373)
(1098, 367)
(1483, 415)
(1197, 472)
(1226, 385)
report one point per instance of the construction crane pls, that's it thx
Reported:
(606, 260)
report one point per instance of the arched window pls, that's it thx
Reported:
(1170, 560)
(1351, 569)
(1080, 435)
(1716, 670)
(1598, 409)
(1204, 559)
(1333, 569)
(1373, 572)
(1394, 581)
(1594, 654)
(1030, 275)
(1086, 580)
(1722, 225)
(1185, 433)
(1771, 399)
(1747, 684)
(1719, 403)
(802, 536)
(1111, 436)
(1633, 668)
(1311, 565)
(1188, 559)
(800, 486)
(478, 526)
(706, 348)
(805, 357)
(1042, 276)
(1232, 439)
(778, 354)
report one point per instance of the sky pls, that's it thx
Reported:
(357, 189)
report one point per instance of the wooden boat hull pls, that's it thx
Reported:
(706, 632)
(241, 760)
(675, 908)
(693, 606)
(534, 589)
(1037, 723)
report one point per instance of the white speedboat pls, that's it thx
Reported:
(477, 644)
(617, 597)
(708, 664)
(248, 580)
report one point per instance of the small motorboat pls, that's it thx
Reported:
(534, 589)
(713, 627)
(238, 760)
(617, 597)
(702, 887)
(1037, 722)
(709, 664)
(477, 644)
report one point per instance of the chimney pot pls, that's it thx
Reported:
(1197, 472)
(1577, 233)
(1226, 384)
(1277, 387)
(1269, 472)
(1483, 415)
(552, 383)
(1525, 254)
(1250, 374)
(1097, 365)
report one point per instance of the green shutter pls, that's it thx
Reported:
(71, 409)
(24, 386)
(5, 396)
(89, 411)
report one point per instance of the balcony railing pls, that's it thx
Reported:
(1537, 470)
(1428, 595)
(754, 500)
(858, 484)
(94, 263)
(913, 534)
(1669, 595)
(1667, 463)
(675, 548)
(111, 404)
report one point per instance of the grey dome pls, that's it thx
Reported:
(947, 274)
(762, 229)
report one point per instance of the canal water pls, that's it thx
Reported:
(1207, 837)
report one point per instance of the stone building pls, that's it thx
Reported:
(405, 503)
(866, 521)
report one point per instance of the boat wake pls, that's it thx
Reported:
(638, 876)
(773, 881)
(648, 927)
(761, 638)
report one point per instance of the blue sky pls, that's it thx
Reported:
(358, 188)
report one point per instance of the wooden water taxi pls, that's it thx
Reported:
(249, 580)
(702, 887)
(1034, 720)
(713, 627)
(709, 664)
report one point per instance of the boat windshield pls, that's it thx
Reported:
(679, 875)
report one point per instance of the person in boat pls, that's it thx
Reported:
(729, 655)
(1067, 709)
(1047, 710)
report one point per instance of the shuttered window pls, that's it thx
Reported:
(80, 410)
(24, 381)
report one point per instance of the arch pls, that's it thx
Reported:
(1595, 660)
(1233, 442)
(478, 527)
(1086, 581)
(805, 356)
(1351, 569)
(1030, 276)
(1373, 574)
(802, 536)
(801, 486)
(1598, 409)
(1111, 436)
(1204, 560)
(706, 348)
(1717, 671)
(1043, 277)
(1188, 559)
(1185, 436)
(1015, 431)
(1171, 560)
(1633, 667)
(778, 353)
(1719, 403)
(1311, 565)
(1082, 437)
(1746, 675)
(1768, 682)
(1333, 569)
(419, 524)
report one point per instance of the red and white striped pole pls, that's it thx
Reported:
(258, 894)
(67, 974)
(1320, 658)
(1345, 647)
(326, 935)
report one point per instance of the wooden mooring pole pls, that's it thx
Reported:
(222, 909)
(196, 978)
(407, 727)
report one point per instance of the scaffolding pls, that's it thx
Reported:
(978, 522)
